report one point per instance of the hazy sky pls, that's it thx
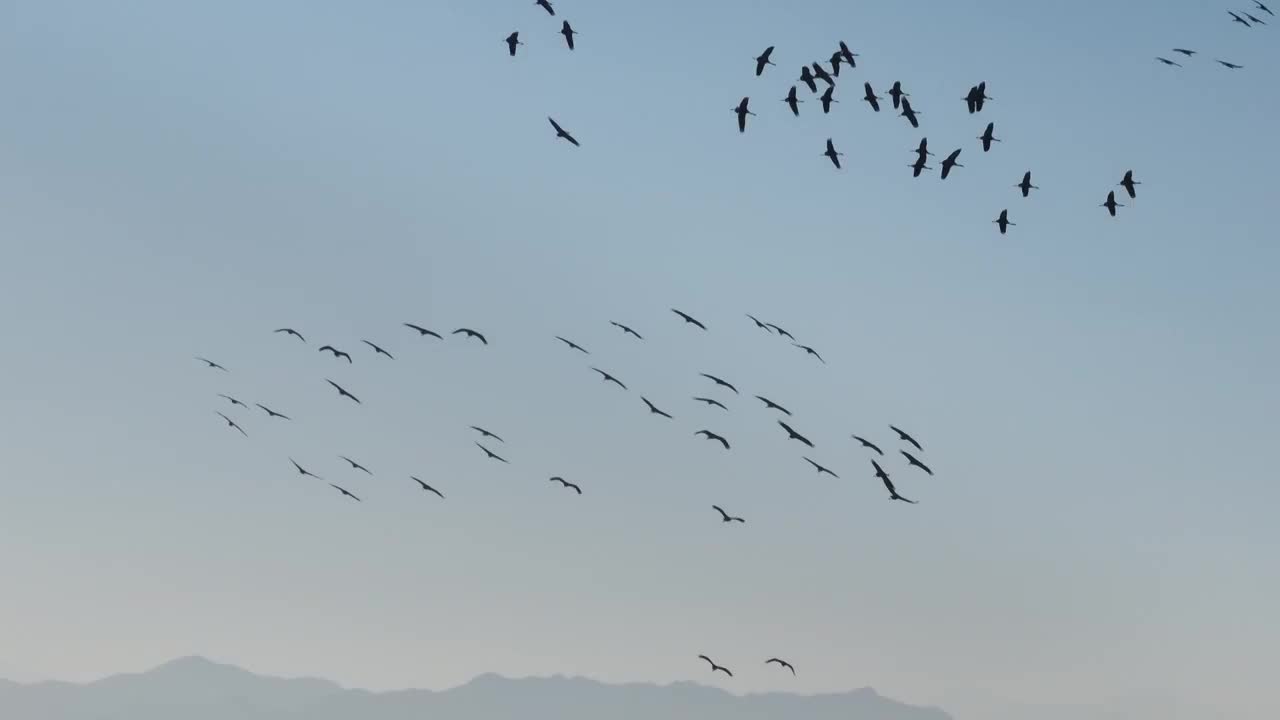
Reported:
(1098, 397)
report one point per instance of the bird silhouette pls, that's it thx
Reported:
(713, 437)
(272, 413)
(1167, 61)
(782, 332)
(806, 76)
(1003, 222)
(988, 136)
(233, 401)
(950, 162)
(378, 350)
(810, 351)
(689, 319)
(356, 466)
(512, 41)
(896, 94)
(562, 133)
(568, 32)
(715, 667)
(626, 330)
(821, 470)
(1255, 20)
(833, 154)
(546, 5)
(869, 445)
(1111, 203)
(1129, 184)
(1184, 51)
(491, 454)
(470, 334)
(573, 345)
(232, 424)
(821, 73)
(909, 113)
(609, 378)
(782, 663)
(977, 97)
(913, 460)
(427, 487)
(906, 438)
(743, 112)
(762, 325)
(303, 471)
(793, 435)
(567, 484)
(291, 331)
(653, 409)
(709, 401)
(1231, 66)
(726, 517)
(922, 150)
(836, 59)
(342, 391)
(871, 97)
(827, 99)
(1263, 8)
(423, 332)
(1026, 185)
(918, 166)
(763, 60)
(888, 484)
(212, 365)
(336, 352)
(719, 382)
(1237, 18)
(773, 405)
(486, 434)
(792, 101)
(848, 55)
(344, 492)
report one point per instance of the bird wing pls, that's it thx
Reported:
(724, 514)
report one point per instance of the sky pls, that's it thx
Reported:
(1096, 396)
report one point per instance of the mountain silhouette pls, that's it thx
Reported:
(198, 689)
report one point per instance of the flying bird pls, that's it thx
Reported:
(888, 484)
(272, 413)
(378, 350)
(356, 466)
(512, 41)
(871, 97)
(822, 74)
(977, 97)
(291, 331)
(715, 667)
(486, 434)
(567, 484)
(782, 663)
(988, 136)
(868, 444)
(491, 454)
(1237, 18)
(810, 351)
(726, 517)
(906, 438)
(773, 405)
(914, 461)
(1111, 203)
(1263, 8)
(923, 148)
(793, 435)
(1128, 183)
(427, 487)
(792, 101)
(827, 98)
(806, 76)
(713, 437)
(909, 113)
(342, 391)
(573, 345)
(303, 471)
(470, 334)
(609, 378)
(562, 133)
(1026, 185)
(918, 166)
(1228, 65)
(710, 401)
(720, 382)
(950, 162)
(689, 319)
(1184, 51)
(336, 352)
(743, 112)
(546, 5)
(833, 154)
(233, 401)
(782, 332)
(836, 59)
(896, 94)
(764, 60)
(653, 409)
(763, 326)
(1255, 20)
(847, 54)
(344, 492)
(1167, 61)
(821, 470)
(232, 424)
(212, 365)
(626, 329)
(568, 32)
(1003, 222)
(423, 332)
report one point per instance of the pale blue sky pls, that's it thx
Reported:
(1097, 396)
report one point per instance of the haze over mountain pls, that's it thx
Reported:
(194, 688)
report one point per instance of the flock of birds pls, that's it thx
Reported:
(1250, 22)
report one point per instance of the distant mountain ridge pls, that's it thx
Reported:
(194, 688)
